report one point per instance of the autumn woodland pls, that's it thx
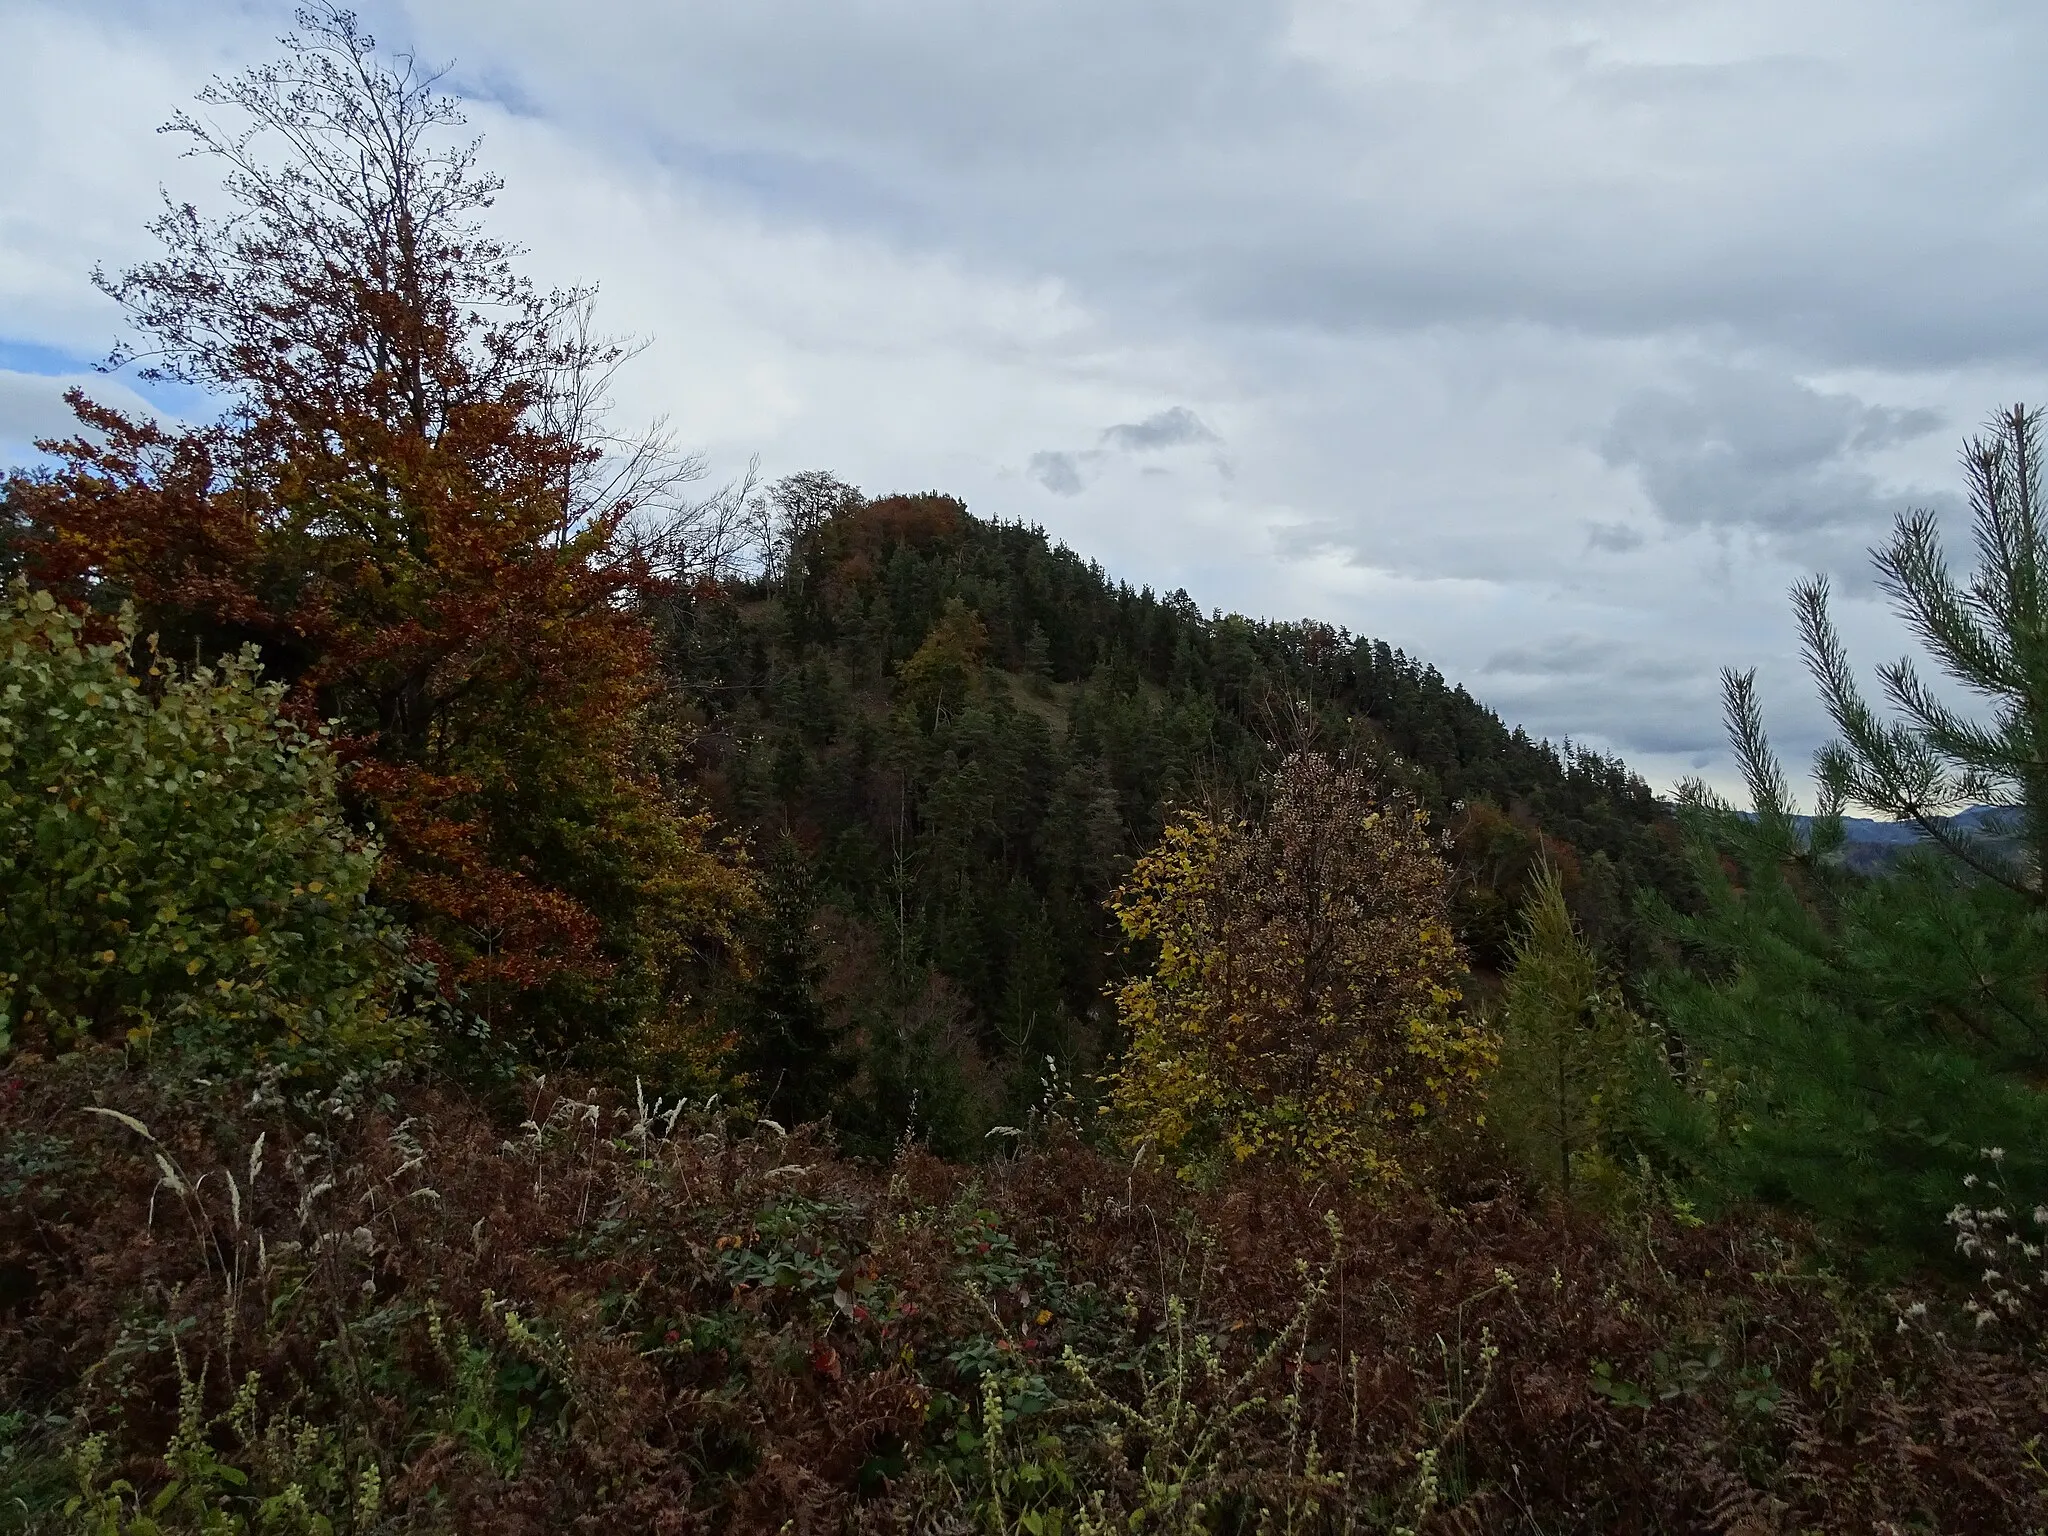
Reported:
(540, 992)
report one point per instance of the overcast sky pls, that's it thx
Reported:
(1548, 339)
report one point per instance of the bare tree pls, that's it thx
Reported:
(795, 507)
(367, 236)
(641, 477)
(706, 540)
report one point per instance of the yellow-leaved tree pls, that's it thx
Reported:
(1304, 1007)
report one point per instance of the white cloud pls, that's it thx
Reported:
(1547, 334)
(32, 408)
(86, 89)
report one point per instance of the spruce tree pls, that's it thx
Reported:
(789, 1050)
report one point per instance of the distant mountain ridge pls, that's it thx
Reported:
(1864, 829)
(1871, 844)
(969, 733)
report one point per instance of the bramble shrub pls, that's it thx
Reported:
(375, 1308)
(174, 867)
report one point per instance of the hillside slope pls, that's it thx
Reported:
(968, 731)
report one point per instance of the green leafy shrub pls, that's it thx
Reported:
(174, 865)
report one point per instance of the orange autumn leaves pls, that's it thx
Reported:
(393, 506)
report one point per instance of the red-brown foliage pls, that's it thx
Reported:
(852, 546)
(719, 1331)
(398, 508)
(926, 518)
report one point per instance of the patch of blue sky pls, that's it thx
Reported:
(44, 361)
(27, 361)
(186, 402)
(776, 183)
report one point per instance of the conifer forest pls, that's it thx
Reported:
(538, 994)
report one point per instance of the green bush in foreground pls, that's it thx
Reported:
(174, 866)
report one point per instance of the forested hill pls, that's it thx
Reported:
(954, 735)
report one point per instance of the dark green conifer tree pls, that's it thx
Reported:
(974, 729)
(789, 1050)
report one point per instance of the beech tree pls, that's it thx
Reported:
(944, 670)
(411, 501)
(787, 518)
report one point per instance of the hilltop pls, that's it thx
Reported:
(968, 732)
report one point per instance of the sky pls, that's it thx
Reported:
(1550, 341)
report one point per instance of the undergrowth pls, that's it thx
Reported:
(380, 1309)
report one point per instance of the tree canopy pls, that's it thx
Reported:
(396, 505)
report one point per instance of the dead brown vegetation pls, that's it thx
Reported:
(627, 1317)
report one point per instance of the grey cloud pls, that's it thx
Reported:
(1746, 449)
(1674, 717)
(1067, 472)
(1421, 256)
(1306, 538)
(1562, 655)
(1885, 427)
(1582, 656)
(1639, 696)
(1170, 428)
(1651, 85)
(1613, 538)
(1453, 167)
(1059, 473)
